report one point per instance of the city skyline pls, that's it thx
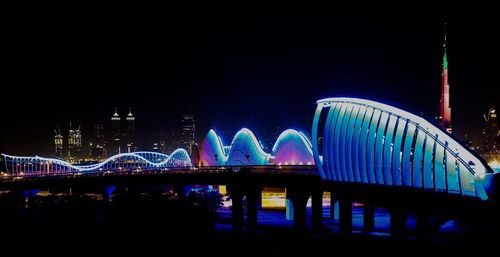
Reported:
(279, 62)
(285, 128)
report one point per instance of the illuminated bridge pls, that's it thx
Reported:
(361, 151)
(135, 161)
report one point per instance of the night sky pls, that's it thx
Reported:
(234, 66)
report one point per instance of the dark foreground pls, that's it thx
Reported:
(166, 224)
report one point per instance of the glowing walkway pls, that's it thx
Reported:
(135, 161)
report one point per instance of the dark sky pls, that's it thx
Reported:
(253, 66)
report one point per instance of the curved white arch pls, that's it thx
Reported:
(389, 146)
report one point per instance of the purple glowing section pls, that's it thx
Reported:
(291, 148)
(212, 150)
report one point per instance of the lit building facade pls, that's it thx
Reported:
(97, 146)
(188, 131)
(491, 132)
(58, 143)
(74, 142)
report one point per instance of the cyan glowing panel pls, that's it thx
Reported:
(362, 144)
(417, 159)
(388, 148)
(428, 163)
(407, 152)
(342, 150)
(397, 152)
(452, 174)
(336, 143)
(317, 157)
(439, 174)
(355, 143)
(349, 143)
(328, 138)
(379, 148)
(370, 147)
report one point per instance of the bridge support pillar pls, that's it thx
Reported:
(252, 207)
(237, 207)
(398, 223)
(298, 200)
(317, 209)
(368, 217)
(289, 208)
(333, 202)
(345, 216)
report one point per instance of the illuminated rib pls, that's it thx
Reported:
(394, 148)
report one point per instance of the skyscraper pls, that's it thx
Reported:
(491, 132)
(74, 141)
(116, 136)
(188, 131)
(129, 135)
(445, 92)
(58, 142)
(97, 146)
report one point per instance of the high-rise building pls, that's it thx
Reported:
(97, 146)
(174, 140)
(74, 142)
(159, 144)
(445, 92)
(188, 131)
(116, 136)
(491, 132)
(58, 142)
(129, 135)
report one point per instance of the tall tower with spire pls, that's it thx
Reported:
(116, 137)
(445, 91)
(130, 131)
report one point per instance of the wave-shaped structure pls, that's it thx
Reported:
(291, 147)
(25, 165)
(368, 142)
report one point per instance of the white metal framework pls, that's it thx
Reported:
(362, 141)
